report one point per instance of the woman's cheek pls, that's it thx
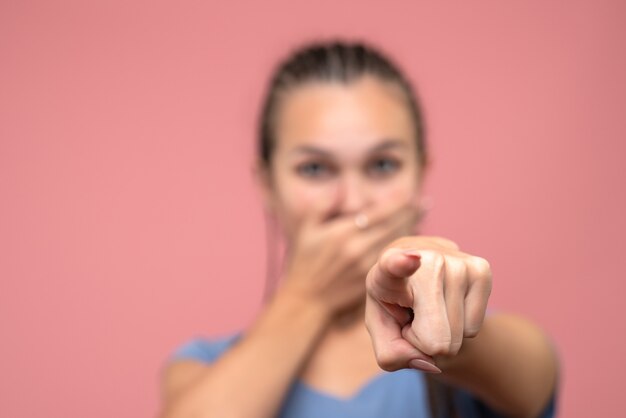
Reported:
(301, 201)
(400, 192)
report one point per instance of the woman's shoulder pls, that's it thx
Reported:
(472, 406)
(205, 349)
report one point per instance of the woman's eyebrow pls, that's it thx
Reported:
(308, 149)
(389, 143)
(381, 146)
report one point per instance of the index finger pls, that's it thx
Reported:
(386, 281)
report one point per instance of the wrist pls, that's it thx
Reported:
(296, 298)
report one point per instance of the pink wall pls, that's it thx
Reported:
(128, 218)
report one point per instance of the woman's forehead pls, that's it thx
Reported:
(330, 114)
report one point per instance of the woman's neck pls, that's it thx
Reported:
(349, 319)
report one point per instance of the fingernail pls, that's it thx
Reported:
(424, 366)
(411, 251)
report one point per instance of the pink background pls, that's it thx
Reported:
(128, 218)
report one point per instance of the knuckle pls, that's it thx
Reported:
(455, 347)
(481, 266)
(387, 360)
(438, 344)
(473, 326)
(439, 261)
(438, 265)
(438, 348)
(436, 260)
(471, 332)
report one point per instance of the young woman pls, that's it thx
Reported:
(342, 157)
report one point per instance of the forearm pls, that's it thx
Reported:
(511, 365)
(252, 377)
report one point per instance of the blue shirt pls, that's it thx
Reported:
(400, 394)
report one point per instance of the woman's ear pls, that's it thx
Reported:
(263, 179)
(425, 166)
(423, 171)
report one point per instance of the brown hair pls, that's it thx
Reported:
(332, 62)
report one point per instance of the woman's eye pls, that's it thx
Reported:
(383, 166)
(313, 170)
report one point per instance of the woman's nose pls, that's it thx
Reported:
(353, 196)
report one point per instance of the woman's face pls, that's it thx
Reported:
(342, 148)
